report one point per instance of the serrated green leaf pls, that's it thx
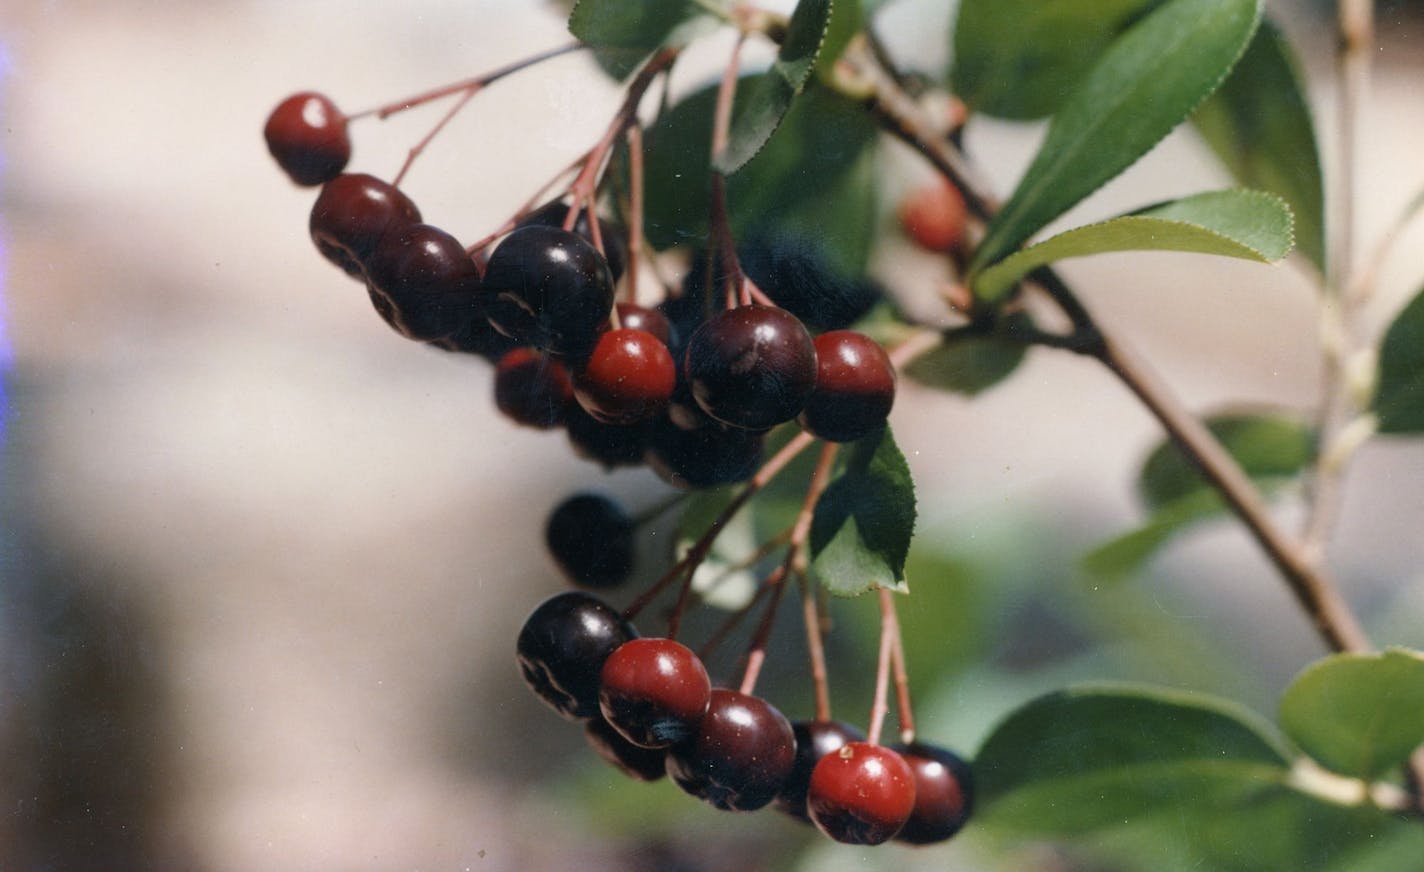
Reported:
(1259, 124)
(1020, 59)
(862, 525)
(623, 33)
(1399, 398)
(1269, 446)
(1101, 756)
(1245, 224)
(969, 364)
(764, 101)
(1358, 714)
(817, 174)
(1146, 83)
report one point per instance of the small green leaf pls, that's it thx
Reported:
(764, 101)
(1269, 447)
(623, 33)
(1120, 557)
(1246, 224)
(816, 175)
(1259, 124)
(969, 364)
(1358, 714)
(1399, 399)
(1145, 84)
(861, 529)
(1102, 756)
(1021, 59)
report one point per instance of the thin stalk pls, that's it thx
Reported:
(470, 85)
(635, 208)
(878, 708)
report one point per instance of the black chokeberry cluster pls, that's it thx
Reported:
(690, 387)
(650, 709)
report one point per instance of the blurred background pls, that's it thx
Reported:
(262, 563)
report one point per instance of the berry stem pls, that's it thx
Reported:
(419, 147)
(816, 647)
(756, 656)
(719, 220)
(878, 707)
(903, 710)
(471, 86)
(635, 208)
(529, 205)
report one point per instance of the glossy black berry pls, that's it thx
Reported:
(944, 793)
(855, 387)
(429, 279)
(614, 237)
(703, 457)
(739, 756)
(814, 740)
(608, 445)
(642, 764)
(591, 539)
(751, 367)
(532, 388)
(654, 692)
(862, 794)
(307, 136)
(562, 649)
(351, 215)
(548, 288)
(628, 377)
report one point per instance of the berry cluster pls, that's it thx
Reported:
(755, 337)
(649, 708)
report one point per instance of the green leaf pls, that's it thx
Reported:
(1122, 556)
(1094, 757)
(1246, 224)
(970, 364)
(861, 529)
(1399, 399)
(623, 33)
(1358, 714)
(1146, 83)
(1021, 59)
(1269, 447)
(1259, 124)
(816, 175)
(764, 101)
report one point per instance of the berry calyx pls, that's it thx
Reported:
(563, 646)
(944, 793)
(814, 740)
(862, 794)
(549, 288)
(641, 764)
(654, 691)
(934, 216)
(532, 388)
(591, 538)
(429, 280)
(752, 366)
(739, 755)
(307, 136)
(351, 215)
(629, 377)
(855, 388)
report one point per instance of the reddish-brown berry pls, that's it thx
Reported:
(944, 793)
(628, 377)
(654, 692)
(307, 136)
(352, 214)
(855, 387)
(861, 794)
(739, 756)
(751, 367)
(934, 216)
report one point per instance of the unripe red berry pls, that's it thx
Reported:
(628, 377)
(654, 692)
(307, 136)
(855, 387)
(861, 794)
(934, 216)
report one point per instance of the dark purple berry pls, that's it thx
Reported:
(855, 388)
(944, 793)
(548, 288)
(614, 237)
(705, 457)
(351, 215)
(428, 278)
(562, 649)
(751, 367)
(642, 764)
(634, 317)
(307, 136)
(591, 538)
(608, 445)
(739, 756)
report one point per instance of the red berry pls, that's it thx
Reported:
(654, 691)
(855, 387)
(739, 756)
(532, 388)
(351, 215)
(629, 377)
(306, 134)
(814, 740)
(861, 794)
(944, 793)
(429, 280)
(934, 216)
(751, 367)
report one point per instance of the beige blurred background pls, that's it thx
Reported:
(262, 563)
